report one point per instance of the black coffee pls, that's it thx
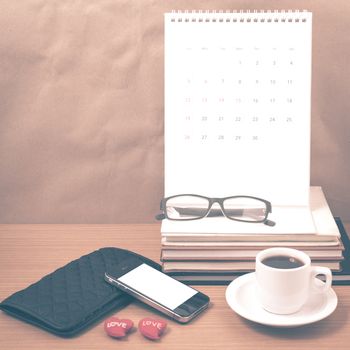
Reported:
(282, 262)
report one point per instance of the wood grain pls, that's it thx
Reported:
(27, 252)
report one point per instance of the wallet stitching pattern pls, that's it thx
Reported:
(57, 312)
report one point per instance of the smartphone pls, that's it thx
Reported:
(157, 290)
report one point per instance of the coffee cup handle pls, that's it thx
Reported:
(320, 270)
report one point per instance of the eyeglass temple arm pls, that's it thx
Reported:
(269, 210)
(160, 216)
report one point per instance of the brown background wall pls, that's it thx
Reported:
(81, 106)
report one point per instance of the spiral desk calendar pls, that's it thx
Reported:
(237, 104)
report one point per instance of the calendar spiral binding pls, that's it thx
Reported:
(246, 16)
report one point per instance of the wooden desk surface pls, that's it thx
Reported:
(28, 252)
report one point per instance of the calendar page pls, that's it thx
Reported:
(237, 105)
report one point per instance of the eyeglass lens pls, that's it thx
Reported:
(186, 207)
(247, 209)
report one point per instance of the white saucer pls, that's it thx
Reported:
(241, 297)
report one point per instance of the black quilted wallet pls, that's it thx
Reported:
(70, 299)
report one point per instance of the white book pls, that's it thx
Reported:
(166, 244)
(239, 254)
(319, 226)
(227, 266)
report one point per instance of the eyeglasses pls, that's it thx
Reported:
(185, 207)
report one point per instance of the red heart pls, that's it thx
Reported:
(152, 328)
(117, 328)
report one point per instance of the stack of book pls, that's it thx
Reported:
(214, 250)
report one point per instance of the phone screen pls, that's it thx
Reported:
(158, 286)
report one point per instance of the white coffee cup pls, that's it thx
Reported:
(285, 289)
